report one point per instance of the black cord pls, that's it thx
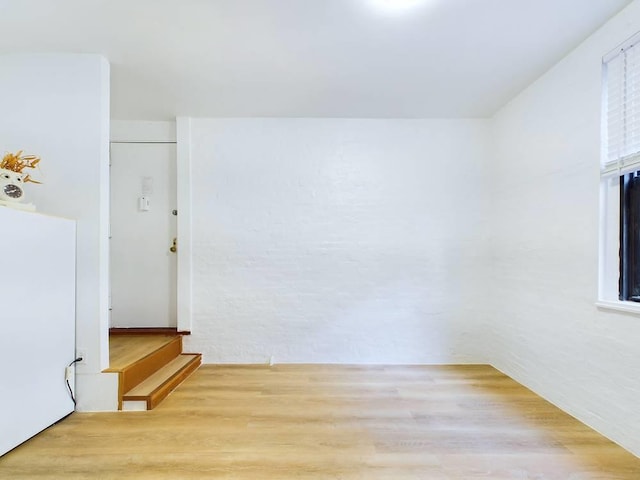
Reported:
(73, 398)
(79, 359)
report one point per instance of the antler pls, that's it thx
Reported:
(17, 162)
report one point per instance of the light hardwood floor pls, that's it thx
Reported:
(330, 422)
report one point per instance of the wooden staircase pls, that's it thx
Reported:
(149, 368)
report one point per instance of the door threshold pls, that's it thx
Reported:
(147, 331)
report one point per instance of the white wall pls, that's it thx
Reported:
(136, 131)
(549, 335)
(57, 107)
(347, 241)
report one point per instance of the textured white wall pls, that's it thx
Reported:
(549, 335)
(57, 106)
(347, 241)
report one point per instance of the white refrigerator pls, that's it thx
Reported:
(37, 322)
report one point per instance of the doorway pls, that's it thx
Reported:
(143, 232)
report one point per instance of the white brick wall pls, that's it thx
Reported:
(338, 241)
(548, 333)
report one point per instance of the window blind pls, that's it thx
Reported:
(621, 69)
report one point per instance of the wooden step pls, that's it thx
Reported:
(159, 384)
(142, 359)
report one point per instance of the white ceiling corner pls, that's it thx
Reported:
(308, 58)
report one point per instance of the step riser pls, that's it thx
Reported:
(134, 406)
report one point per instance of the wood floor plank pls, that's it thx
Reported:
(330, 422)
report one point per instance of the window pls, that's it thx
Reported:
(629, 284)
(620, 179)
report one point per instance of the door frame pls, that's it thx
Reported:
(179, 133)
(183, 199)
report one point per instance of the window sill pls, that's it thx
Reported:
(628, 307)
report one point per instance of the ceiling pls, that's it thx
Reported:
(308, 58)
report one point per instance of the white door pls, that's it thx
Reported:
(143, 227)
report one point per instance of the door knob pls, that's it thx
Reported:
(174, 247)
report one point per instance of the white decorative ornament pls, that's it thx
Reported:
(12, 190)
